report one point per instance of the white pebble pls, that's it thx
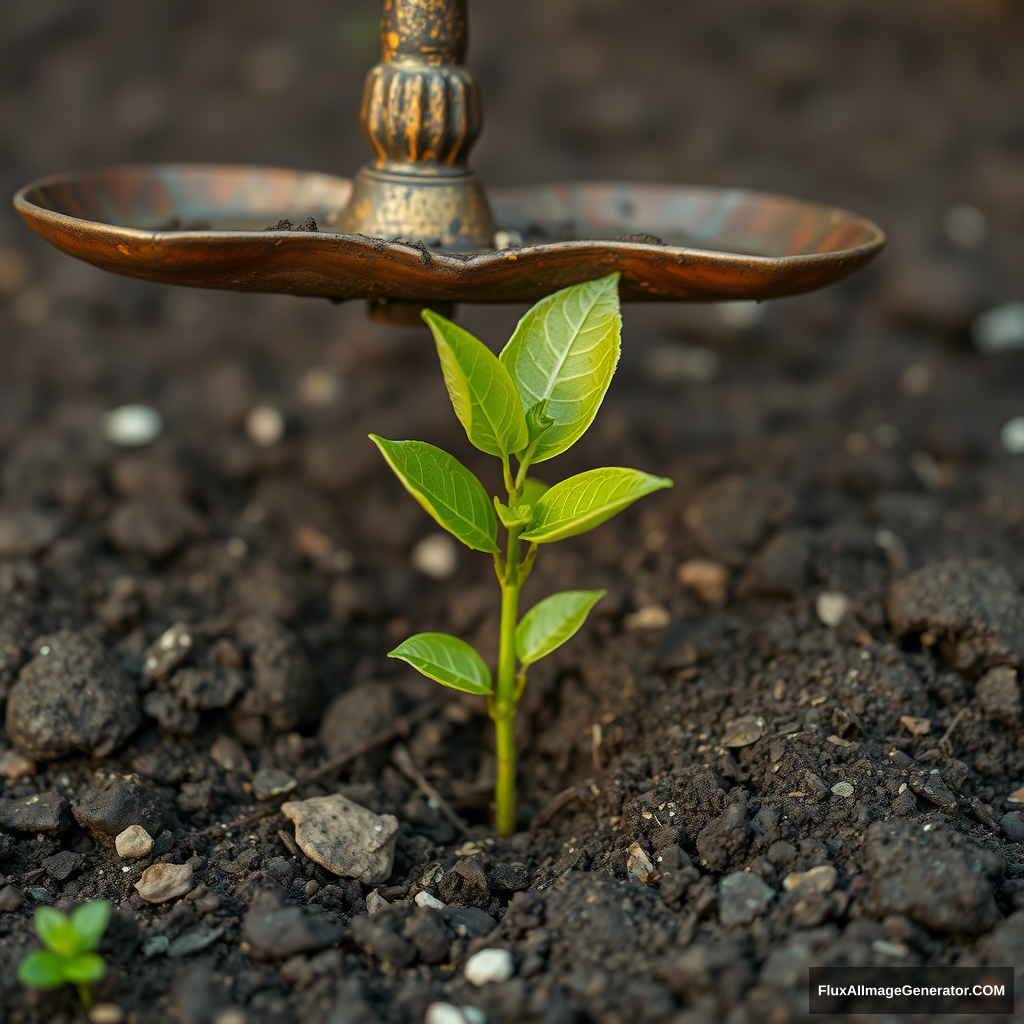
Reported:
(424, 899)
(1012, 435)
(965, 226)
(831, 606)
(131, 425)
(843, 789)
(651, 616)
(489, 965)
(264, 425)
(444, 1013)
(435, 556)
(375, 903)
(134, 842)
(1000, 329)
(105, 1013)
(507, 239)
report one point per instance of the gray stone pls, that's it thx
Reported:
(469, 922)
(274, 932)
(999, 695)
(133, 843)
(972, 607)
(282, 681)
(742, 897)
(168, 651)
(193, 942)
(114, 802)
(1013, 826)
(61, 866)
(73, 698)
(465, 885)
(937, 878)
(45, 812)
(160, 883)
(271, 782)
(345, 837)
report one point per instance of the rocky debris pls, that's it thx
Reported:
(999, 695)
(207, 688)
(489, 966)
(160, 883)
(48, 813)
(932, 787)
(375, 903)
(73, 696)
(843, 789)
(274, 931)
(15, 766)
(193, 942)
(937, 878)
(356, 715)
(831, 607)
(155, 527)
(638, 864)
(731, 515)
(780, 568)
(742, 896)
(345, 837)
(469, 922)
(971, 607)
(271, 782)
(282, 681)
(821, 879)
(377, 937)
(1012, 826)
(424, 899)
(113, 803)
(133, 843)
(725, 839)
(465, 885)
(708, 579)
(169, 651)
(27, 532)
(916, 726)
(508, 877)
(743, 731)
(11, 899)
(229, 754)
(61, 866)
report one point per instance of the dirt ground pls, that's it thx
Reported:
(718, 789)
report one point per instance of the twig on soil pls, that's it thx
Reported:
(400, 728)
(944, 743)
(556, 804)
(403, 759)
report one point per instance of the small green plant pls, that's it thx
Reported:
(68, 957)
(532, 402)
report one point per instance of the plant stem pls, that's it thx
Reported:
(503, 707)
(84, 996)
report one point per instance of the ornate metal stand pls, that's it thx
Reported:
(415, 227)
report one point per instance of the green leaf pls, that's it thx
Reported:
(447, 660)
(587, 500)
(547, 625)
(85, 968)
(519, 515)
(564, 352)
(482, 392)
(533, 490)
(90, 921)
(57, 932)
(445, 488)
(41, 969)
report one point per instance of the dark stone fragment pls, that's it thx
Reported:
(74, 698)
(934, 790)
(375, 936)
(426, 930)
(170, 713)
(113, 802)
(154, 527)
(724, 840)
(471, 923)
(11, 899)
(677, 875)
(207, 689)
(999, 695)
(193, 942)
(1013, 826)
(937, 878)
(46, 812)
(274, 931)
(356, 715)
(465, 885)
(509, 877)
(61, 866)
(845, 724)
(972, 606)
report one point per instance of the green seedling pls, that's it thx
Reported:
(532, 402)
(68, 957)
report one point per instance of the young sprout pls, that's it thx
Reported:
(532, 402)
(68, 957)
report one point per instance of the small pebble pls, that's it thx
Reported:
(489, 965)
(1013, 826)
(444, 1013)
(105, 1013)
(270, 782)
(844, 789)
(11, 899)
(375, 903)
(264, 425)
(1012, 435)
(15, 766)
(706, 578)
(424, 899)
(820, 879)
(743, 731)
(831, 606)
(651, 616)
(155, 946)
(163, 882)
(133, 843)
(1000, 329)
(916, 726)
(638, 864)
(742, 896)
(1016, 797)
(435, 556)
(131, 426)
(965, 226)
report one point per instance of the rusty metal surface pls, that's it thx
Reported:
(421, 115)
(202, 226)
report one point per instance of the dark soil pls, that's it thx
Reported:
(679, 776)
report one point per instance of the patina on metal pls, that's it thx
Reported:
(421, 115)
(415, 228)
